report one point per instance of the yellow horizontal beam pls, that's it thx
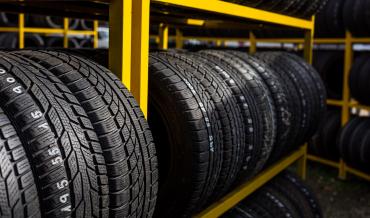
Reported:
(357, 105)
(233, 198)
(47, 30)
(195, 22)
(9, 29)
(323, 161)
(236, 10)
(280, 40)
(334, 102)
(358, 173)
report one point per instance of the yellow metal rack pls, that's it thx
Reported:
(21, 29)
(129, 54)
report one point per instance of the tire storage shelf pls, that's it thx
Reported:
(129, 22)
(21, 29)
(346, 103)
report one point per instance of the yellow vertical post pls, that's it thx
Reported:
(65, 32)
(218, 43)
(179, 39)
(120, 39)
(252, 43)
(348, 58)
(21, 30)
(163, 36)
(140, 52)
(96, 34)
(308, 42)
(302, 163)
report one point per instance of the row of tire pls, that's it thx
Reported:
(350, 143)
(73, 140)
(227, 115)
(297, 8)
(330, 66)
(284, 196)
(340, 15)
(11, 41)
(11, 20)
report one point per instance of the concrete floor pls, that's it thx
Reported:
(339, 199)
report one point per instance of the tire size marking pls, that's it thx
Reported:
(44, 126)
(36, 114)
(10, 80)
(206, 119)
(64, 199)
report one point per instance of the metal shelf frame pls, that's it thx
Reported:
(21, 29)
(129, 55)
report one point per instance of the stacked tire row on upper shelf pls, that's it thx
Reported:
(350, 143)
(33, 40)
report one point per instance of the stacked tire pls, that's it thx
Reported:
(74, 142)
(330, 66)
(354, 143)
(359, 79)
(340, 15)
(220, 117)
(284, 196)
(300, 8)
(324, 144)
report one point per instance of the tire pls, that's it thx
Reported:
(330, 67)
(291, 73)
(54, 22)
(57, 42)
(124, 134)
(56, 133)
(318, 92)
(298, 194)
(345, 138)
(87, 24)
(262, 100)
(279, 95)
(10, 40)
(190, 157)
(229, 115)
(354, 80)
(18, 190)
(354, 146)
(250, 118)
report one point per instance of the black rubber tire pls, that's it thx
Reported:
(330, 66)
(19, 197)
(305, 190)
(354, 77)
(262, 99)
(354, 146)
(319, 93)
(57, 42)
(87, 24)
(8, 19)
(124, 134)
(55, 22)
(250, 116)
(365, 149)
(345, 138)
(67, 161)
(190, 138)
(10, 40)
(298, 193)
(284, 110)
(292, 72)
(229, 115)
